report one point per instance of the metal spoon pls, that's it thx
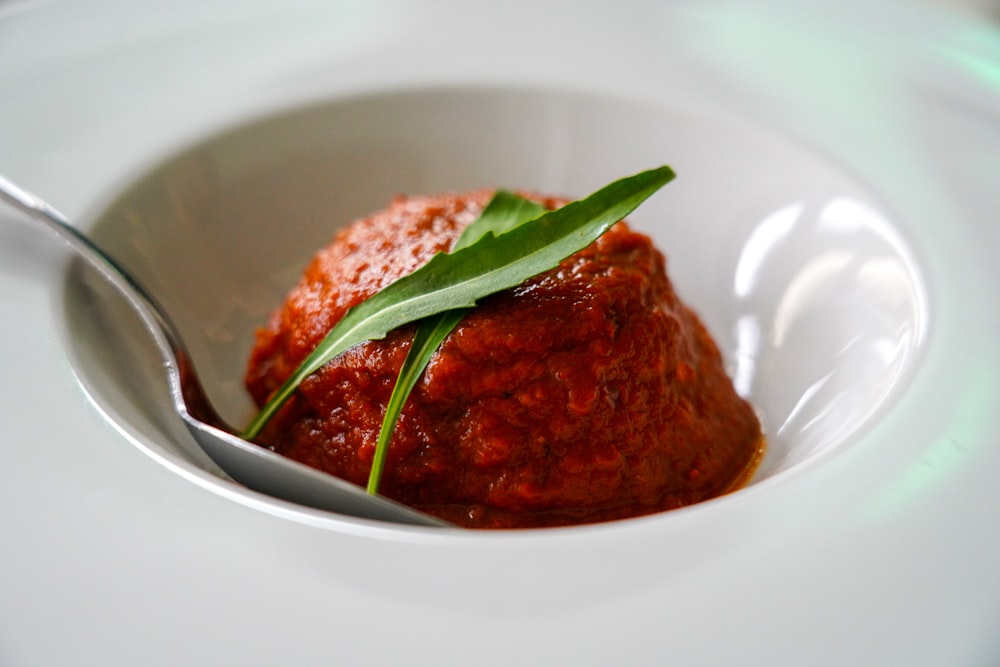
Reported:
(251, 465)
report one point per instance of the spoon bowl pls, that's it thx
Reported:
(251, 465)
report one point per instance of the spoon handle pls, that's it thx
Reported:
(168, 342)
(121, 279)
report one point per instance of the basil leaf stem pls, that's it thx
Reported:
(504, 212)
(430, 334)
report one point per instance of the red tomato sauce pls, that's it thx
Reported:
(589, 393)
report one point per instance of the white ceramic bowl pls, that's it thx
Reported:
(802, 274)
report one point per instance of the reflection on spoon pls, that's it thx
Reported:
(253, 466)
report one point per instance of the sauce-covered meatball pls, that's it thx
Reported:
(587, 393)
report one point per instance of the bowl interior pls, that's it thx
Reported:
(802, 276)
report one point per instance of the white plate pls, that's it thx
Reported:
(833, 220)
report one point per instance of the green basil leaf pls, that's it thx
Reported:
(429, 336)
(459, 279)
(504, 212)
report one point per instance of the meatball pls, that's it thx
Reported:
(588, 393)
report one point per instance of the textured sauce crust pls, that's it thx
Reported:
(588, 393)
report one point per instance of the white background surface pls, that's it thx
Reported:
(885, 554)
